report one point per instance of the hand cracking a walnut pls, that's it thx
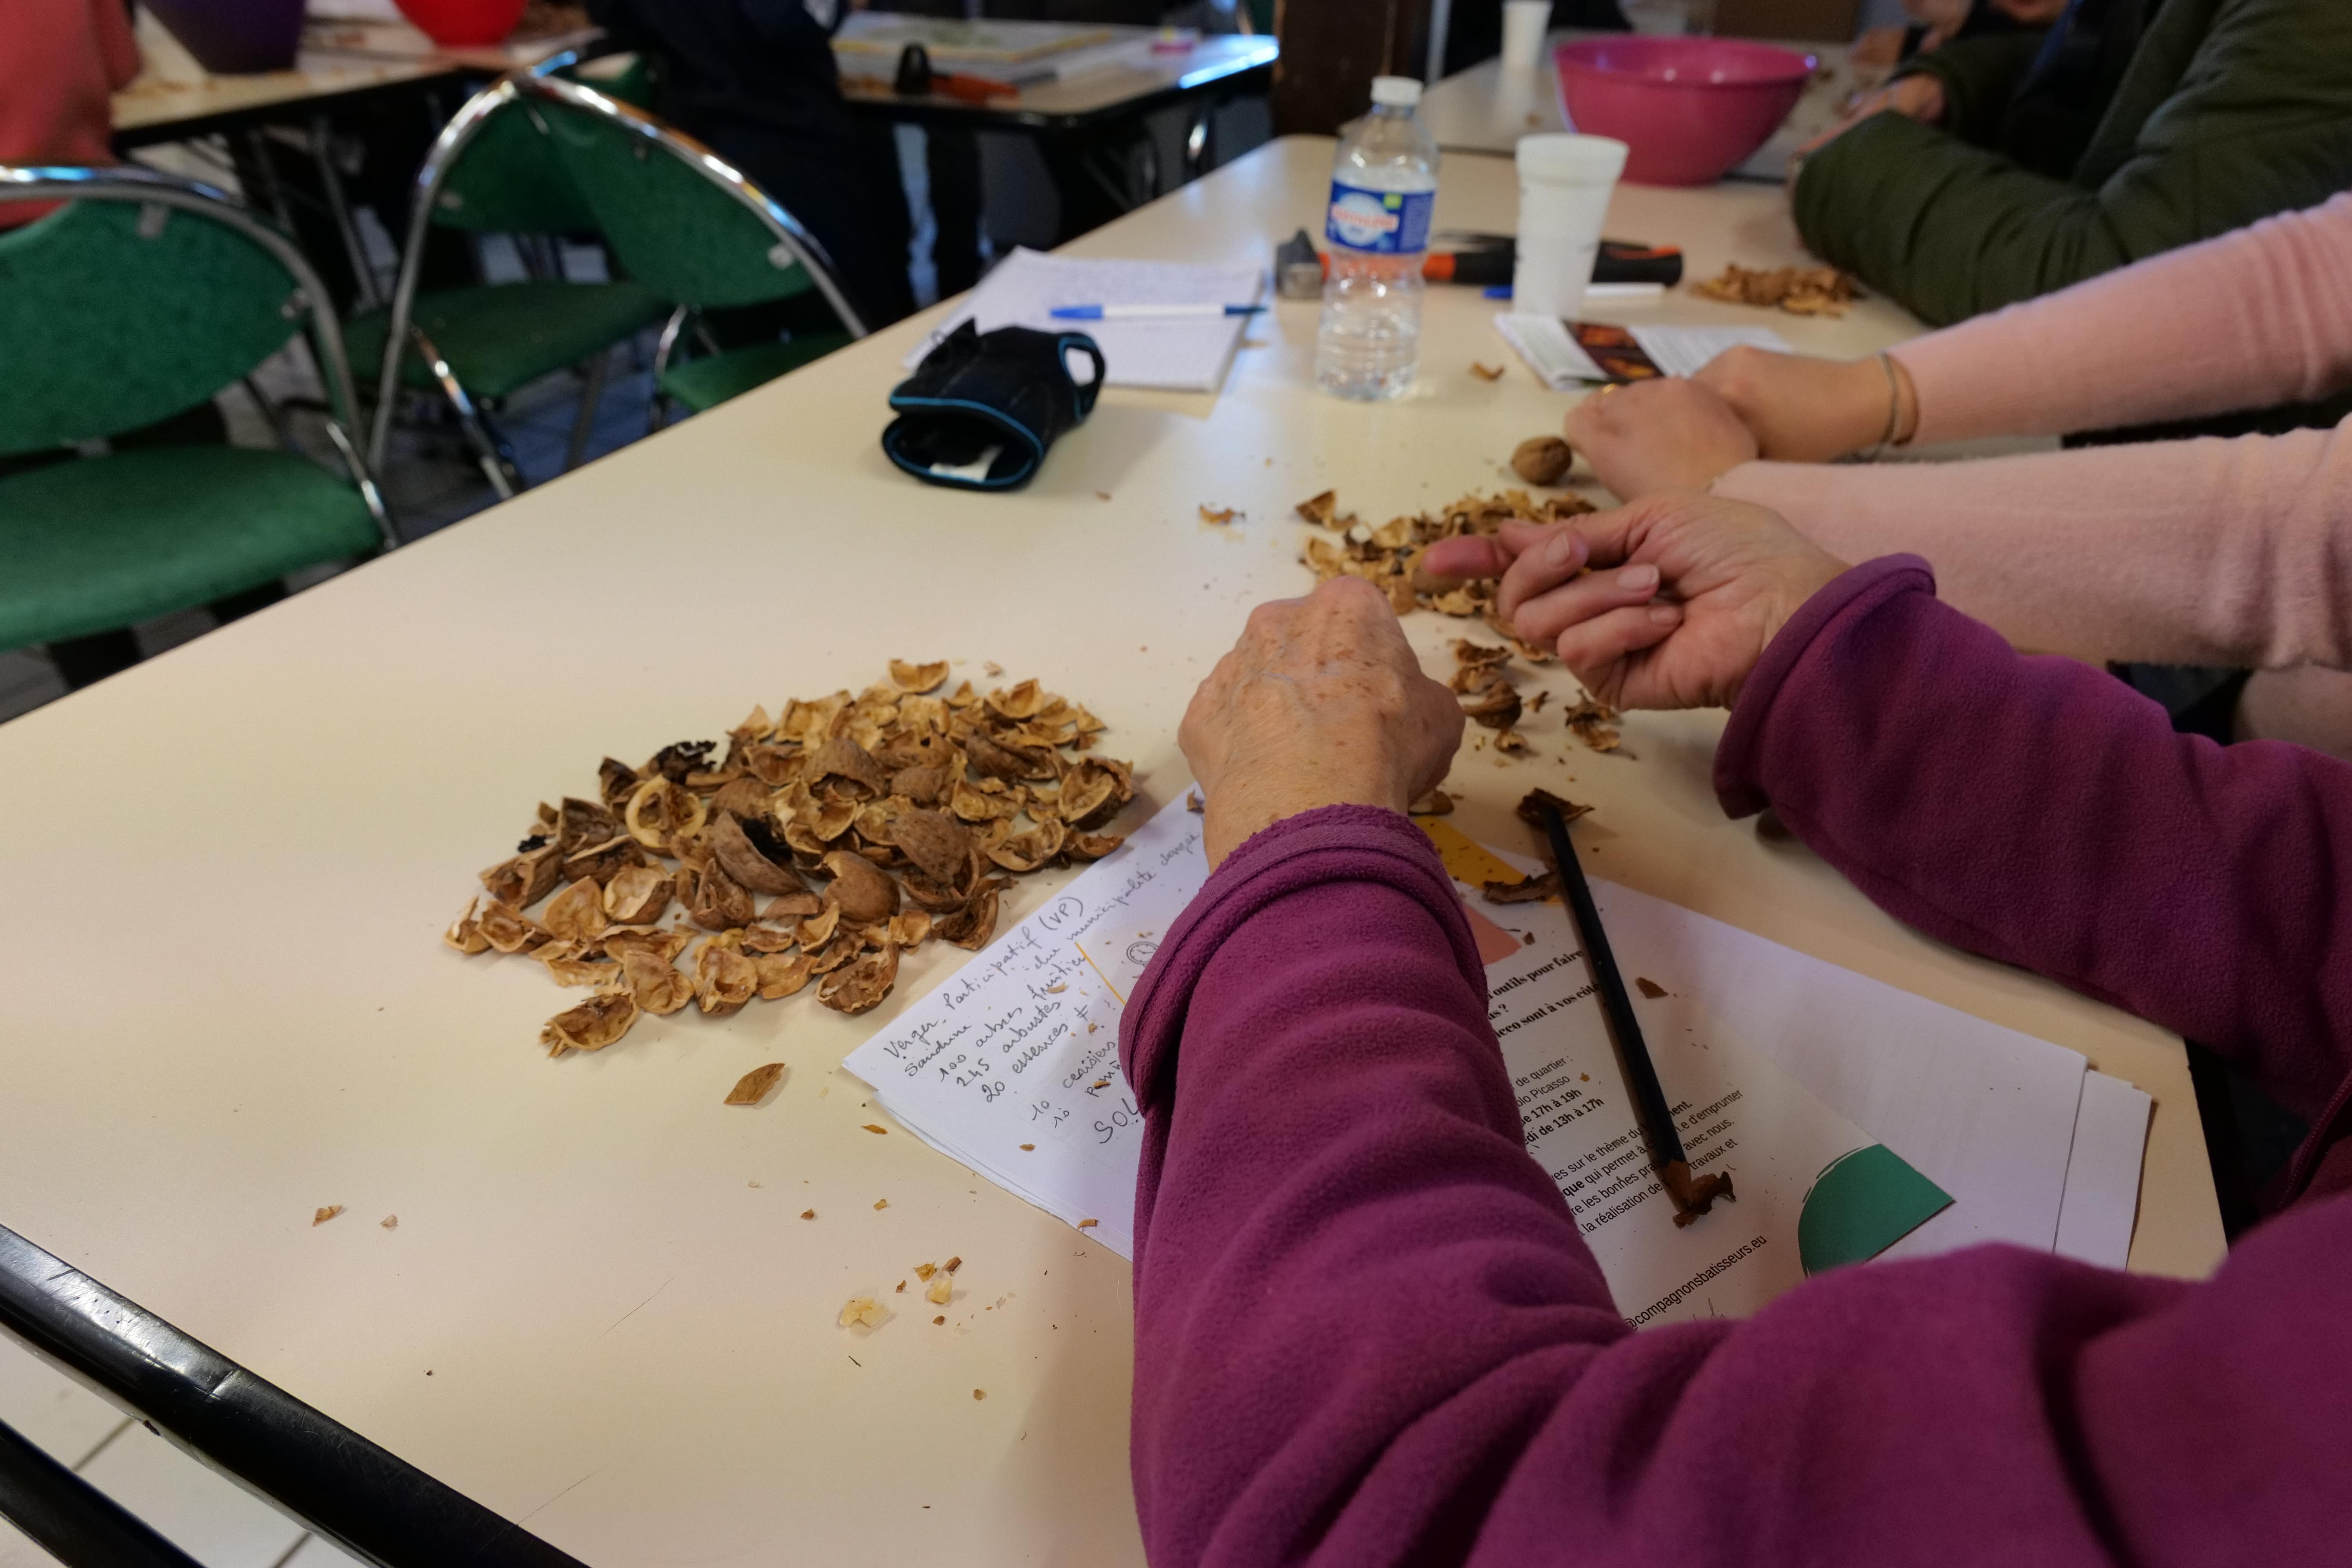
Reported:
(1321, 703)
(1667, 602)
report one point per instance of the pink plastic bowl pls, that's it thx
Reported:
(1689, 109)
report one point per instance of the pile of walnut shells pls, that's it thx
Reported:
(824, 844)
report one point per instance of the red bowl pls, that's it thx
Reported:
(464, 24)
(1689, 109)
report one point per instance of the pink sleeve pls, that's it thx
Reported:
(2258, 317)
(2208, 552)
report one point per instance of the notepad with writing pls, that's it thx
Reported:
(1185, 355)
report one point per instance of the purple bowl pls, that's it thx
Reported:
(235, 37)
(1688, 109)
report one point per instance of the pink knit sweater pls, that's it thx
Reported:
(2206, 552)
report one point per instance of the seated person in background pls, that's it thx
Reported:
(755, 80)
(2225, 111)
(61, 63)
(1935, 23)
(1367, 1330)
(2235, 553)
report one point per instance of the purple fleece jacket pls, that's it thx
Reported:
(1367, 1331)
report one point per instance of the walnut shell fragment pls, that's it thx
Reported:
(1525, 890)
(603, 862)
(580, 823)
(719, 901)
(779, 976)
(592, 1025)
(909, 677)
(908, 930)
(576, 914)
(750, 863)
(861, 890)
(1091, 846)
(1497, 707)
(724, 979)
(842, 761)
(1542, 460)
(860, 986)
(753, 1086)
(938, 844)
(655, 983)
(465, 932)
(1531, 805)
(664, 944)
(525, 879)
(636, 896)
(971, 926)
(508, 930)
(1027, 851)
(659, 811)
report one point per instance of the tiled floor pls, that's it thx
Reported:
(212, 1520)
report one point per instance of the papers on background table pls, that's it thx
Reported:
(1561, 364)
(1802, 1078)
(1019, 54)
(1187, 353)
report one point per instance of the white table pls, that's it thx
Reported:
(174, 98)
(223, 1001)
(1486, 109)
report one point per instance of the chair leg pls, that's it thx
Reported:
(591, 397)
(87, 660)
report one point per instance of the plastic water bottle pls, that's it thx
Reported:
(1383, 185)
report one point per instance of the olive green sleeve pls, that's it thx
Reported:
(2259, 122)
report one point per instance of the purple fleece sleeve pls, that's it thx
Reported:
(2037, 811)
(1368, 1332)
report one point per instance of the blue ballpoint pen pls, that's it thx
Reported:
(1144, 312)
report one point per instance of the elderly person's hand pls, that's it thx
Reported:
(1651, 436)
(1321, 703)
(1806, 410)
(1667, 602)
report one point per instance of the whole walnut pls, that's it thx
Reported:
(1542, 460)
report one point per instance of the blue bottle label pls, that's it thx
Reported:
(1384, 222)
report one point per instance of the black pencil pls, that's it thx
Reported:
(1693, 1195)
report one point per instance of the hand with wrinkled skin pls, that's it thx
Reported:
(1666, 603)
(1321, 703)
(1653, 436)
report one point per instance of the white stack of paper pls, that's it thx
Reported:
(1187, 353)
(1011, 1067)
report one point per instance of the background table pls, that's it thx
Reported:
(224, 1001)
(1487, 109)
(173, 97)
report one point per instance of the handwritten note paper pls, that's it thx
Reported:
(1012, 1067)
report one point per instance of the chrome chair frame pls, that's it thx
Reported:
(149, 187)
(794, 244)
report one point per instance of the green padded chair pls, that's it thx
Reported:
(140, 299)
(491, 170)
(686, 225)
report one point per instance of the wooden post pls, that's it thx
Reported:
(1331, 50)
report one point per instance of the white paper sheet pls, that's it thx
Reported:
(1011, 1067)
(1184, 354)
(2101, 1204)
